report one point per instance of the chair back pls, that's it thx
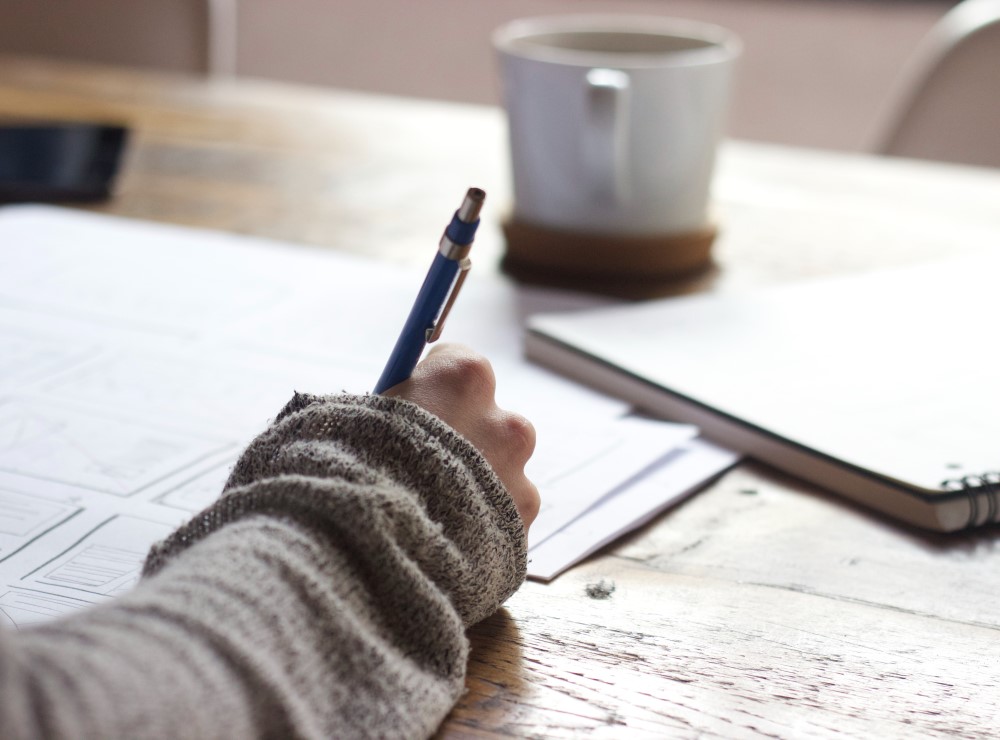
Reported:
(196, 36)
(947, 105)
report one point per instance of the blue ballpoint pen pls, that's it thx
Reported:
(437, 294)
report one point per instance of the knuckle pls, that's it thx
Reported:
(473, 371)
(518, 434)
(531, 504)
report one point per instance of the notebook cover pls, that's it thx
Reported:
(890, 375)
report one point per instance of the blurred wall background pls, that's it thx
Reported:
(815, 72)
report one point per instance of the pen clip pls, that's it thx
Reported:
(433, 332)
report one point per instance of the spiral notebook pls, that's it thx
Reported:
(883, 387)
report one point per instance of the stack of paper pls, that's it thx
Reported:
(567, 532)
(137, 360)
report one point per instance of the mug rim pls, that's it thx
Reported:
(721, 43)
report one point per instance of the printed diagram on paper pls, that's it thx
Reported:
(138, 360)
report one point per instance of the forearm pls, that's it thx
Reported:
(196, 654)
(328, 601)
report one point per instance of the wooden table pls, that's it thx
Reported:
(763, 606)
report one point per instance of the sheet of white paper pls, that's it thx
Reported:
(137, 360)
(87, 552)
(617, 452)
(677, 476)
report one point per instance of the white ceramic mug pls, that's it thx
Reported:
(614, 120)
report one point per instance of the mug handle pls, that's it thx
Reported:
(605, 134)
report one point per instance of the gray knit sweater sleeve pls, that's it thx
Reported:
(325, 594)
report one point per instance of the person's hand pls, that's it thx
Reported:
(457, 385)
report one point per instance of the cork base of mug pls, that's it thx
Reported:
(630, 266)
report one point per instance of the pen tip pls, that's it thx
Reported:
(473, 203)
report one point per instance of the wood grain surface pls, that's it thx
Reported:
(762, 607)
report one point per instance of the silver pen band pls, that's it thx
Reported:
(452, 251)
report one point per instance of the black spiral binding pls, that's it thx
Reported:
(986, 485)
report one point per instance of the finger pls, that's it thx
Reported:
(461, 370)
(516, 434)
(447, 347)
(527, 500)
